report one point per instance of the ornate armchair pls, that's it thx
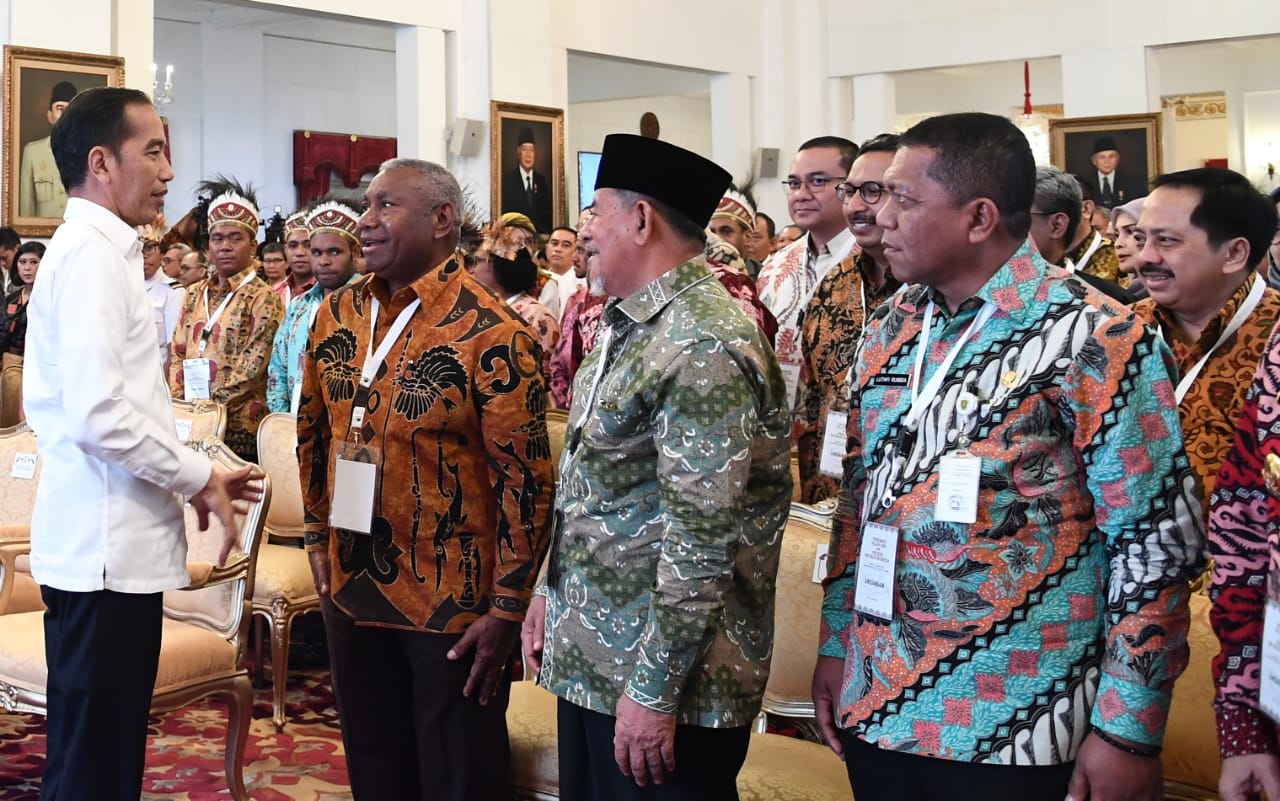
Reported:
(557, 425)
(11, 412)
(195, 420)
(202, 650)
(285, 588)
(19, 476)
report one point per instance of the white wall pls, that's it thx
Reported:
(1262, 144)
(994, 88)
(685, 121)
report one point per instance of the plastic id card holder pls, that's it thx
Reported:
(835, 440)
(195, 379)
(877, 564)
(355, 484)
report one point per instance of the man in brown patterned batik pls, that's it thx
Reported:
(423, 384)
(832, 323)
(222, 343)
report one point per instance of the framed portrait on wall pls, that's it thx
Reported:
(38, 84)
(527, 145)
(1117, 155)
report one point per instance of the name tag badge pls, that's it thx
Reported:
(890, 380)
(958, 476)
(355, 481)
(195, 379)
(183, 427)
(24, 466)
(834, 442)
(791, 378)
(877, 564)
(1269, 698)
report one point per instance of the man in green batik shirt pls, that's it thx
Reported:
(675, 488)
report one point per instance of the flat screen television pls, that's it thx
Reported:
(588, 165)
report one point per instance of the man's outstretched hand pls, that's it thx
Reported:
(227, 488)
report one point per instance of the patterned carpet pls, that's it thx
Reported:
(185, 751)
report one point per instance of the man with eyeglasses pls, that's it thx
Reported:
(832, 324)
(1056, 211)
(788, 281)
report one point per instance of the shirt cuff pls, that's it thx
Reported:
(1243, 730)
(836, 619)
(193, 474)
(1131, 711)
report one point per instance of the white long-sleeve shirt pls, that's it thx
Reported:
(166, 306)
(108, 513)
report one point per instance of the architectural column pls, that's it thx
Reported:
(874, 105)
(232, 93)
(133, 36)
(840, 107)
(422, 100)
(731, 141)
(470, 84)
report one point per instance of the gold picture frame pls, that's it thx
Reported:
(544, 201)
(1138, 139)
(30, 76)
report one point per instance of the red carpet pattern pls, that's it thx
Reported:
(185, 751)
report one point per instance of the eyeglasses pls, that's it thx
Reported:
(871, 191)
(814, 183)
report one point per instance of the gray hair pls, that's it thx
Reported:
(438, 187)
(1059, 193)
(185, 248)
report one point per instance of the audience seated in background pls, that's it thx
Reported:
(22, 277)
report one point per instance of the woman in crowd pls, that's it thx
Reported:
(13, 318)
(1124, 219)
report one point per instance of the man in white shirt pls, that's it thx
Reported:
(562, 282)
(107, 534)
(788, 280)
(166, 299)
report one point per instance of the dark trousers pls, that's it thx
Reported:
(102, 649)
(707, 761)
(409, 733)
(881, 775)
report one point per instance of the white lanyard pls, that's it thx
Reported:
(921, 398)
(297, 383)
(1251, 302)
(374, 358)
(213, 318)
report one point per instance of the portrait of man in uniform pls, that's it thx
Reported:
(38, 85)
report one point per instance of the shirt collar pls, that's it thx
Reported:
(1214, 328)
(891, 284)
(427, 287)
(644, 304)
(121, 235)
(1013, 287)
(839, 245)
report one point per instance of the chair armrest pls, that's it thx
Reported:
(13, 532)
(207, 574)
(10, 550)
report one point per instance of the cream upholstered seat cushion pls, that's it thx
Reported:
(26, 593)
(192, 654)
(531, 728)
(283, 571)
(1190, 753)
(784, 767)
(777, 767)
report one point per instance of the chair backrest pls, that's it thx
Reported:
(223, 607)
(20, 470)
(278, 456)
(198, 420)
(798, 611)
(11, 412)
(557, 425)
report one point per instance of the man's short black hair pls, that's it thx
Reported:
(770, 229)
(9, 238)
(271, 247)
(848, 150)
(880, 143)
(95, 118)
(1088, 192)
(26, 247)
(1229, 207)
(981, 155)
(1275, 195)
(573, 231)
